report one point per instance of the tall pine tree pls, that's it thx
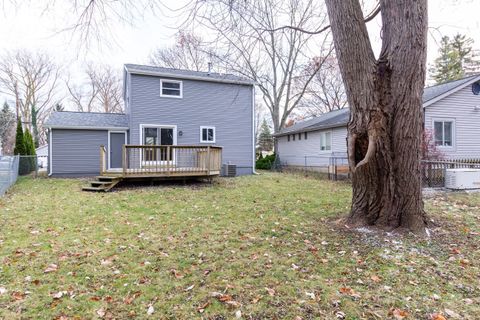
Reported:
(455, 55)
(265, 139)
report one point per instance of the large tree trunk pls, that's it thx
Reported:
(385, 98)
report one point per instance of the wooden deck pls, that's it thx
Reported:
(158, 162)
(141, 161)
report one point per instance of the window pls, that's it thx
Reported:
(443, 133)
(305, 136)
(299, 136)
(207, 134)
(325, 141)
(170, 88)
(293, 135)
(288, 138)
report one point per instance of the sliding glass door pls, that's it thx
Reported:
(158, 136)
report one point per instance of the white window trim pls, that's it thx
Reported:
(158, 126)
(454, 126)
(331, 138)
(170, 96)
(108, 146)
(214, 134)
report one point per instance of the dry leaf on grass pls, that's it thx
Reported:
(437, 316)
(271, 292)
(51, 268)
(398, 313)
(177, 274)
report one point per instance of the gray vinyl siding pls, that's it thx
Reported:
(227, 107)
(459, 107)
(77, 152)
(307, 152)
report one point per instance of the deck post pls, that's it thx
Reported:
(124, 159)
(168, 160)
(208, 160)
(102, 159)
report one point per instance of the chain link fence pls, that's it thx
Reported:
(8, 172)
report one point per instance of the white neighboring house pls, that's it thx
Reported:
(451, 114)
(42, 156)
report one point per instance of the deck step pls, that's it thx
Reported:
(102, 183)
(93, 189)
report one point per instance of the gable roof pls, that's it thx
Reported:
(86, 120)
(341, 117)
(439, 91)
(187, 74)
(332, 119)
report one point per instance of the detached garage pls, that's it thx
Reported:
(74, 141)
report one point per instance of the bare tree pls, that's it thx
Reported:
(256, 47)
(100, 91)
(108, 87)
(189, 52)
(31, 80)
(385, 98)
(326, 92)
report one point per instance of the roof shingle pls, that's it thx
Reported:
(87, 120)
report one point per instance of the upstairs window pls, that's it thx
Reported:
(325, 141)
(443, 133)
(207, 134)
(170, 88)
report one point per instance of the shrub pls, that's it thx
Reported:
(265, 163)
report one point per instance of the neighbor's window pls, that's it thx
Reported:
(207, 134)
(288, 137)
(300, 136)
(443, 133)
(305, 136)
(325, 141)
(293, 135)
(170, 88)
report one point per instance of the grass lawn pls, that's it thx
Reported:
(257, 247)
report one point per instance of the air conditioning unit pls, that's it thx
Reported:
(462, 179)
(229, 170)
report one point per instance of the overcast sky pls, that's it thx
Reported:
(30, 27)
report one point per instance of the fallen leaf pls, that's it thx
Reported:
(177, 274)
(256, 299)
(271, 292)
(437, 316)
(101, 312)
(225, 298)
(204, 306)
(452, 314)
(57, 295)
(3, 290)
(51, 268)
(238, 314)
(18, 295)
(375, 278)
(150, 310)
(189, 288)
(234, 304)
(398, 313)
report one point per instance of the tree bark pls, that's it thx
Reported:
(385, 98)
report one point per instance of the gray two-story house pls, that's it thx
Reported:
(175, 121)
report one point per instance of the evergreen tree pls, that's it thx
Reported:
(19, 140)
(265, 139)
(455, 55)
(35, 126)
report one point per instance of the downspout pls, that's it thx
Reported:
(253, 132)
(50, 146)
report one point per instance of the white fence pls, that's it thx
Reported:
(8, 172)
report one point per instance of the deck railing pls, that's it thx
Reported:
(168, 160)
